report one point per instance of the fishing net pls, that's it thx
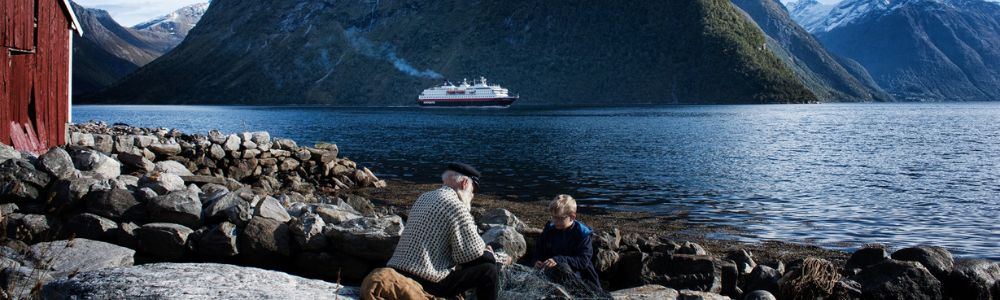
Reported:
(815, 280)
(523, 283)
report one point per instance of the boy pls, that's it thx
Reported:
(564, 249)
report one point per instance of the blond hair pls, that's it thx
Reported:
(563, 204)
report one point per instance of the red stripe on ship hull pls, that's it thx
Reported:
(465, 99)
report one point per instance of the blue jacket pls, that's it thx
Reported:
(571, 247)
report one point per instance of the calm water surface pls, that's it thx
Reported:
(838, 175)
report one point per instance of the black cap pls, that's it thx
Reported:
(466, 170)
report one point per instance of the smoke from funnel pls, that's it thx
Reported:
(385, 52)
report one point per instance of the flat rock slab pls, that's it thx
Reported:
(81, 255)
(193, 281)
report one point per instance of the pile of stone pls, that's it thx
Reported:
(685, 270)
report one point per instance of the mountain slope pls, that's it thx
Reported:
(926, 50)
(108, 51)
(371, 53)
(821, 72)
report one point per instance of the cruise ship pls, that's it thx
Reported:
(465, 94)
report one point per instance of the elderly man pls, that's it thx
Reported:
(440, 247)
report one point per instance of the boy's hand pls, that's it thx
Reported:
(548, 263)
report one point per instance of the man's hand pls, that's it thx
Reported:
(548, 263)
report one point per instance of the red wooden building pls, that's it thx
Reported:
(35, 61)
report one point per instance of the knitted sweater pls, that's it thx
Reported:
(439, 234)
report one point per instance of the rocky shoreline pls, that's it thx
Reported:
(166, 208)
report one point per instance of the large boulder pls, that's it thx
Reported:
(172, 167)
(369, 237)
(335, 214)
(165, 240)
(974, 279)
(193, 281)
(271, 209)
(115, 204)
(178, 207)
(162, 183)
(136, 162)
(8, 152)
(229, 207)
(167, 149)
(68, 193)
(91, 226)
(763, 278)
(265, 242)
(865, 257)
(506, 236)
(62, 258)
(308, 231)
(744, 261)
(97, 162)
(683, 271)
(31, 227)
(502, 217)
(893, 279)
(20, 282)
(361, 204)
(219, 241)
(936, 259)
(58, 163)
(649, 291)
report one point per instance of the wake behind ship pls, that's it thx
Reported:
(479, 94)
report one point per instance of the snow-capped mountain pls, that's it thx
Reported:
(921, 50)
(808, 13)
(178, 22)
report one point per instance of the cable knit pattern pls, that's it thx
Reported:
(439, 234)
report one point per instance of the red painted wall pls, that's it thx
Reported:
(41, 75)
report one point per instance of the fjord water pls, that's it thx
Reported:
(837, 175)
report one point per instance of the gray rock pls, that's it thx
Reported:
(31, 227)
(232, 143)
(973, 279)
(605, 260)
(162, 183)
(649, 291)
(369, 237)
(58, 163)
(308, 231)
(188, 281)
(124, 182)
(115, 204)
(288, 164)
(168, 149)
(124, 143)
(172, 167)
(216, 152)
(7, 208)
(361, 205)
(502, 217)
(230, 207)
(865, 257)
(219, 241)
(103, 143)
(699, 295)
(8, 152)
(260, 137)
(20, 282)
(271, 209)
(249, 145)
(177, 207)
(145, 194)
(682, 271)
(81, 139)
(893, 279)
(744, 261)
(285, 144)
(69, 193)
(763, 278)
(136, 162)
(144, 141)
(332, 214)
(692, 249)
(91, 160)
(25, 172)
(265, 242)
(65, 257)
(127, 235)
(513, 242)
(936, 259)
(216, 137)
(91, 226)
(164, 240)
(759, 295)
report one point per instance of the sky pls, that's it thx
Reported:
(132, 12)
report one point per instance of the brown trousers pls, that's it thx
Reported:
(387, 284)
